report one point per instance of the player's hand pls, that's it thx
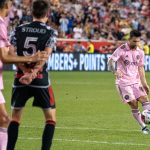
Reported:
(118, 74)
(33, 74)
(40, 56)
(146, 87)
(27, 78)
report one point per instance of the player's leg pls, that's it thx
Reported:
(13, 128)
(44, 98)
(137, 115)
(50, 122)
(128, 96)
(48, 133)
(136, 112)
(4, 121)
(141, 96)
(18, 100)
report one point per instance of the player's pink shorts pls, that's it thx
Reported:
(131, 92)
(2, 100)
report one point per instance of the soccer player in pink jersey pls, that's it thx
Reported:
(6, 57)
(127, 64)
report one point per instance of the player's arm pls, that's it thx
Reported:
(143, 78)
(39, 65)
(22, 66)
(7, 57)
(112, 65)
(112, 68)
(32, 74)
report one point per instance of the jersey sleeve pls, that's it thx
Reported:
(116, 55)
(51, 42)
(3, 39)
(13, 38)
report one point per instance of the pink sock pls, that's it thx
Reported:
(3, 138)
(137, 115)
(146, 105)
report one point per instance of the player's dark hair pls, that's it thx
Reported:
(40, 8)
(135, 33)
(2, 3)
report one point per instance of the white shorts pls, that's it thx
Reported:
(2, 100)
(131, 92)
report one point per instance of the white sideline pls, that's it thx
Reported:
(80, 128)
(89, 142)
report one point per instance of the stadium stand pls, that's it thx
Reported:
(103, 20)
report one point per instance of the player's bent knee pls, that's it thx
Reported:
(50, 115)
(143, 99)
(133, 104)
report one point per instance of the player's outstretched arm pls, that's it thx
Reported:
(6, 57)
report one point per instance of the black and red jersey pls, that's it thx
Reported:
(28, 39)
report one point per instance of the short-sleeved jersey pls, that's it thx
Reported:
(28, 39)
(4, 42)
(128, 62)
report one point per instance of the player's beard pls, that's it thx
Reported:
(133, 46)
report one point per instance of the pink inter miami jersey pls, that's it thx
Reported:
(3, 43)
(128, 62)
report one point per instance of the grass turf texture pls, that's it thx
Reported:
(90, 115)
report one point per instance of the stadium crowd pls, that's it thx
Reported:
(102, 20)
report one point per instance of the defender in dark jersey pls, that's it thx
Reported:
(31, 79)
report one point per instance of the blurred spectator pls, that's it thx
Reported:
(55, 3)
(90, 47)
(145, 9)
(78, 47)
(91, 19)
(146, 48)
(63, 24)
(77, 32)
(67, 48)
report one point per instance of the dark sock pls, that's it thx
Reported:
(48, 135)
(13, 129)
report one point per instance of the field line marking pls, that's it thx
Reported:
(84, 128)
(77, 83)
(89, 141)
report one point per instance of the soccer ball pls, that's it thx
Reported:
(146, 116)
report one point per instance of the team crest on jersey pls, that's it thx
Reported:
(126, 62)
(138, 57)
(126, 97)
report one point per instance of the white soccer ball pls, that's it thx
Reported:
(146, 116)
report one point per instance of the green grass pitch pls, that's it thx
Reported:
(90, 115)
